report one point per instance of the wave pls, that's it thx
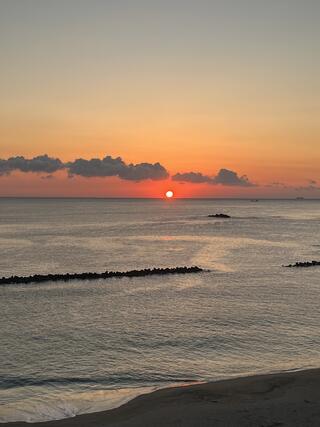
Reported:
(14, 382)
(47, 407)
(65, 404)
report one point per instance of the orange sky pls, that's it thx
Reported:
(201, 88)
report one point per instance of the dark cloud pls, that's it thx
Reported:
(224, 177)
(4, 167)
(142, 171)
(40, 164)
(194, 177)
(109, 166)
(228, 177)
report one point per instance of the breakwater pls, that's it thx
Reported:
(304, 264)
(66, 277)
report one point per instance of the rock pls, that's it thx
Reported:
(39, 278)
(304, 264)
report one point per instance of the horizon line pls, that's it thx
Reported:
(160, 198)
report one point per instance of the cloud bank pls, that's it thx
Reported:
(42, 163)
(105, 167)
(116, 167)
(109, 166)
(312, 186)
(223, 177)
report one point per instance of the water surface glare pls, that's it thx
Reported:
(76, 347)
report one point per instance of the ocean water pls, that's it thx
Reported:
(76, 347)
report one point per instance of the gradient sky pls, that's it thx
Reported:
(195, 85)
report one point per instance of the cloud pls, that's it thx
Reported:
(4, 167)
(143, 171)
(310, 187)
(38, 164)
(109, 166)
(228, 177)
(276, 184)
(193, 177)
(224, 177)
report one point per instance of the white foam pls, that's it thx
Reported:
(66, 405)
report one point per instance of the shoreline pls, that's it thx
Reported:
(281, 399)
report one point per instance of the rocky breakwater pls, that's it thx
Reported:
(40, 278)
(220, 215)
(304, 264)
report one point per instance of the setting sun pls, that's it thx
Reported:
(169, 194)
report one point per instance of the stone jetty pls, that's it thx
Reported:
(304, 264)
(66, 277)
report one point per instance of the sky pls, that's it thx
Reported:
(130, 98)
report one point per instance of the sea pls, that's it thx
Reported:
(75, 347)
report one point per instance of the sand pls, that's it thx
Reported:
(286, 399)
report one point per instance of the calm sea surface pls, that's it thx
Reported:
(76, 347)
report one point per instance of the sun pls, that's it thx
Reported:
(169, 194)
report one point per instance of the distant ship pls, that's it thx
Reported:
(299, 198)
(254, 200)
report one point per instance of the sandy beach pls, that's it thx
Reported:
(286, 399)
